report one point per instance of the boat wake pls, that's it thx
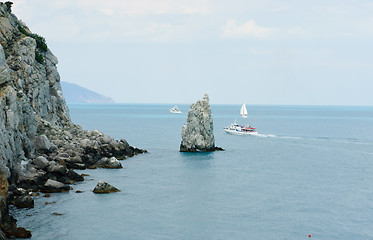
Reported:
(264, 135)
(275, 136)
(320, 139)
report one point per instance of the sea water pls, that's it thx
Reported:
(308, 171)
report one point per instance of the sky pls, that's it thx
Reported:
(287, 52)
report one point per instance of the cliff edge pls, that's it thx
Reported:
(39, 145)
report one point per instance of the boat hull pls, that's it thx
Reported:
(236, 132)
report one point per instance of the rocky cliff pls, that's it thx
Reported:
(39, 145)
(198, 133)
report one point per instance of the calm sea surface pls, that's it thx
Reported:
(309, 171)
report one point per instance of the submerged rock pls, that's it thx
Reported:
(104, 187)
(198, 133)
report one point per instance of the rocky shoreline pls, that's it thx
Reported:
(39, 145)
(51, 170)
(52, 167)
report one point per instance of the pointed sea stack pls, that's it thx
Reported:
(198, 134)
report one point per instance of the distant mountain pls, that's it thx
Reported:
(74, 93)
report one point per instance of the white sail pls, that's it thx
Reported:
(243, 111)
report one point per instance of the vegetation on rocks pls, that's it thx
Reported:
(41, 45)
(40, 41)
(9, 6)
(39, 57)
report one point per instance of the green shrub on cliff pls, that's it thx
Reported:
(9, 6)
(23, 31)
(41, 45)
(40, 41)
(39, 57)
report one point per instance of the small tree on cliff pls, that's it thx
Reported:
(9, 6)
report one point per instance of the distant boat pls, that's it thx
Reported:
(237, 129)
(175, 109)
(243, 111)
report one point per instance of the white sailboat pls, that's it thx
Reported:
(243, 111)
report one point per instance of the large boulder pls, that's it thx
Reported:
(52, 186)
(74, 176)
(198, 133)
(24, 201)
(56, 168)
(40, 162)
(104, 187)
(42, 144)
(108, 163)
(20, 198)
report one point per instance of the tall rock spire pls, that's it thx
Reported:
(198, 133)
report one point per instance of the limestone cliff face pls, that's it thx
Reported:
(29, 91)
(39, 144)
(30, 94)
(198, 133)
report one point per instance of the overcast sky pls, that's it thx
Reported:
(317, 52)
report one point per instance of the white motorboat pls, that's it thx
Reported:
(175, 109)
(237, 129)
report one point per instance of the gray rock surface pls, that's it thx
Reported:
(55, 186)
(56, 168)
(42, 143)
(35, 121)
(23, 201)
(104, 187)
(108, 163)
(40, 162)
(4, 69)
(198, 133)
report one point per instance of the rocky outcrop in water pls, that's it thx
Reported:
(198, 133)
(39, 145)
(104, 187)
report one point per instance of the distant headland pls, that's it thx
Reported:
(74, 93)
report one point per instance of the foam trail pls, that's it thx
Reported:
(265, 135)
(275, 136)
(284, 137)
(272, 135)
(260, 135)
